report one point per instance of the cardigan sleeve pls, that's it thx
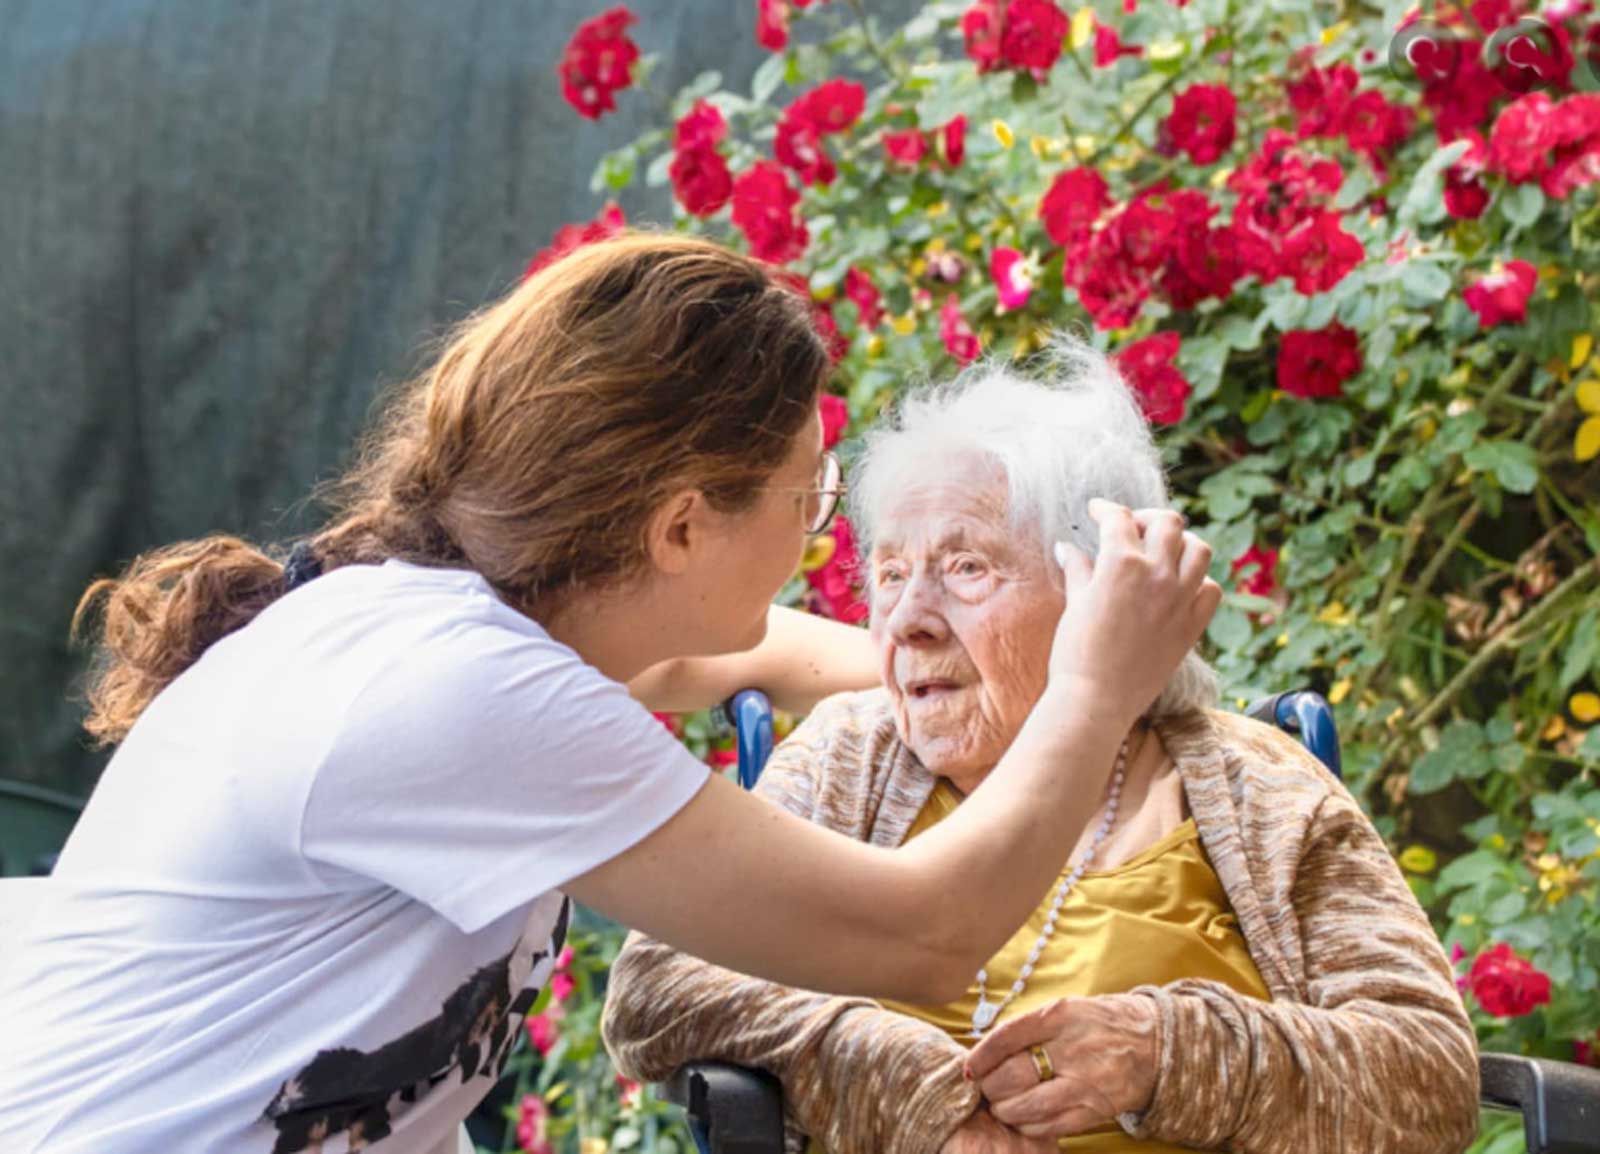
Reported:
(1379, 1056)
(856, 1076)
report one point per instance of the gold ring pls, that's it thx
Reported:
(1042, 1063)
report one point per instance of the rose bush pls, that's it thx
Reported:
(1359, 300)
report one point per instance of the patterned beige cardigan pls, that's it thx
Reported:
(1364, 1048)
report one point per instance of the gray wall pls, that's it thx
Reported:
(223, 224)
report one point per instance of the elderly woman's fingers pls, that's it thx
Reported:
(1013, 1037)
(1055, 1107)
(1016, 1075)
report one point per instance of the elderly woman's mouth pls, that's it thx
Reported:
(932, 689)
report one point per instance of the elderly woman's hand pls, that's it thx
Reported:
(981, 1134)
(1104, 1051)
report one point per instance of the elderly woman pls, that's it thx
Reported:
(1230, 959)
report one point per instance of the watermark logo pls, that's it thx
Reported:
(1527, 55)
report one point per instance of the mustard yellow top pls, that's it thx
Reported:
(1158, 917)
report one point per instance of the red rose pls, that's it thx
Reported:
(1074, 202)
(1021, 34)
(1577, 155)
(1202, 122)
(1316, 362)
(701, 127)
(1522, 138)
(1258, 567)
(1109, 48)
(830, 107)
(1373, 126)
(835, 416)
(574, 236)
(1505, 985)
(858, 287)
(1011, 281)
(1147, 365)
(1319, 95)
(907, 147)
(542, 1033)
(1465, 196)
(1501, 296)
(1319, 253)
(598, 62)
(1033, 34)
(1463, 97)
(959, 339)
(1278, 188)
(772, 25)
(1111, 288)
(955, 141)
(834, 583)
(980, 28)
(764, 210)
(701, 181)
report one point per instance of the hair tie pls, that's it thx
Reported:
(301, 566)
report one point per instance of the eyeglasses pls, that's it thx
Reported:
(822, 500)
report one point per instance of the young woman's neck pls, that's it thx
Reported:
(619, 632)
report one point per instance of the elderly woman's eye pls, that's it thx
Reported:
(967, 567)
(890, 576)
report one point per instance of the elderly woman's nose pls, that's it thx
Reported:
(916, 616)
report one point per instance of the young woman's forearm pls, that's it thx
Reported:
(745, 884)
(802, 659)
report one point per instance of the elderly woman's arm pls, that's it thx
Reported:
(856, 1076)
(1379, 1056)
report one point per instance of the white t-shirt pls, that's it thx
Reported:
(318, 886)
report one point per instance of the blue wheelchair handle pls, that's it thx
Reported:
(750, 714)
(1306, 714)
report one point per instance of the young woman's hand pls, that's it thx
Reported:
(1104, 1051)
(1132, 613)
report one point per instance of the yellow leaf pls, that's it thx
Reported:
(825, 293)
(1582, 346)
(1334, 613)
(939, 208)
(1220, 177)
(1082, 27)
(593, 1146)
(1587, 443)
(1589, 396)
(1283, 639)
(1163, 50)
(1003, 133)
(875, 346)
(1040, 147)
(819, 551)
(1554, 729)
(1329, 35)
(1339, 690)
(1418, 859)
(1585, 707)
(974, 241)
(918, 267)
(905, 325)
(1467, 920)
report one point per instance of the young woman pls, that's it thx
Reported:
(330, 863)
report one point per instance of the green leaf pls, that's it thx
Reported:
(1424, 281)
(1521, 204)
(1514, 465)
(615, 170)
(1470, 869)
(1424, 201)
(769, 75)
(1581, 651)
(659, 171)
(1461, 753)
(1202, 360)
(1230, 629)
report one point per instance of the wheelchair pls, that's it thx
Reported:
(737, 1110)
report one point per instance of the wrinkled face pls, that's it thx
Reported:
(963, 614)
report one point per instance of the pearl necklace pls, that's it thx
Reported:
(985, 1012)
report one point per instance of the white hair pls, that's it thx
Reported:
(1074, 433)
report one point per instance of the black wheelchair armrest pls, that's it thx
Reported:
(732, 1109)
(1559, 1101)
